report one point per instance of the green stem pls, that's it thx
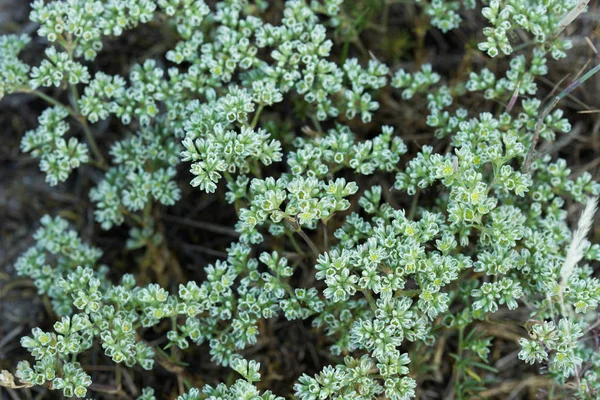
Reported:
(317, 123)
(370, 300)
(295, 244)
(385, 14)
(563, 311)
(458, 366)
(408, 293)
(75, 95)
(133, 216)
(76, 116)
(70, 46)
(118, 377)
(86, 129)
(256, 116)
(92, 143)
(309, 242)
(414, 205)
(495, 170)
(147, 212)
(237, 205)
(325, 236)
(50, 100)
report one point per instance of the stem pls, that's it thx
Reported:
(52, 101)
(180, 385)
(118, 376)
(325, 236)
(147, 213)
(75, 95)
(76, 116)
(133, 216)
(295, 244)
(385, 14)
(563, 312)
(414, 205)
(370, 300)
(592, 327)
(309, 242)
(408, 293)
(317, 123)
(420, 31)
(231, 181)
(495, 169)
(461, 333)
(210, 227)
(536, 136)
(546, 111)
(86, 130)
(256, 116)
(89, 137)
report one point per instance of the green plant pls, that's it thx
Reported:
(380, 282)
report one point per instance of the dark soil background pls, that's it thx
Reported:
(200, 227)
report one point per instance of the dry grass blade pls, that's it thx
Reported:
(571, 16)
(588, 111)
(575, 253)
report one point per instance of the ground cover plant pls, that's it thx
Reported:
(300, 199)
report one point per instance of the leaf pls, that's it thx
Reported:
(484, 366)
(472, 374)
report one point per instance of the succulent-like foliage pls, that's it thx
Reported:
(379, 281)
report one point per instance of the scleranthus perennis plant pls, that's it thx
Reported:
(415, 220)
